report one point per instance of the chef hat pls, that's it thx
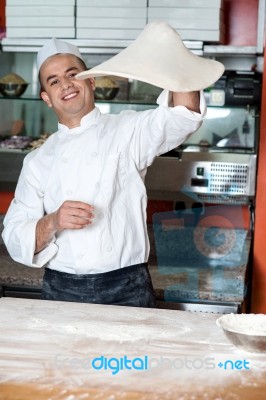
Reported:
(159, 57)
(56, 46)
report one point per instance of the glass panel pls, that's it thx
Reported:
(226, 128)
(32, 115)
(37, 118)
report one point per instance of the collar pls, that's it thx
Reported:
(87, 121)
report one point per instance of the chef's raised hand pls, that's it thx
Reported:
(70, 215)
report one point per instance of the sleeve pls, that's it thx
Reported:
(163, 129)
(21, 218)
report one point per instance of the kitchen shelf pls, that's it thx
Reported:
(7, 150)
(112, 46)
(114, 101)
(132, 102)
(89, 46)
(115, 46)
(221, 50)
(26, 98)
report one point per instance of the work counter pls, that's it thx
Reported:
(62, 351)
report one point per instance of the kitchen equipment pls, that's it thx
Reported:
(245, 331)
(12, 85)
(215, 185)
(105, 93)
(240, 87)
(201, 258)
(105, 89)
(13, 89)
(217, 164)
(203, 251)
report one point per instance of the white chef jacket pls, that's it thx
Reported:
(102, 162)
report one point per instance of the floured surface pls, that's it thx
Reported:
(49, 347)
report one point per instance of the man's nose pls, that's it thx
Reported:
(66, 83)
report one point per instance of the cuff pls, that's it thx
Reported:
(28, 247)
(166, 99)
(42, 258)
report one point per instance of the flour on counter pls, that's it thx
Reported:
(57, 343)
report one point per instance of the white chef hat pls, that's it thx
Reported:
(56, 46)
(159, 57)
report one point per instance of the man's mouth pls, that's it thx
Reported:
(70, 96)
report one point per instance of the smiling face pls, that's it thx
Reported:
(70, 99)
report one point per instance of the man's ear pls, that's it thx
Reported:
(92, 82)
(46, 99)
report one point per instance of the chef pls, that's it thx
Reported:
(80, 204)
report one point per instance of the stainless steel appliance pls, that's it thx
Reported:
(209, 184)
(216, 164)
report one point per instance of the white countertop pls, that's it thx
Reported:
(50, 350)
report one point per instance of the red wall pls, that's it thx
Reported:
(2, 14)
(241, 22)
(259, 263)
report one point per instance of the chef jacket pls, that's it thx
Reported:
(102, 162)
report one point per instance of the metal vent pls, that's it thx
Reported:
(206, 307)
(228, 178)
(223, 199)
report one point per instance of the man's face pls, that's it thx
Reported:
(71, 99)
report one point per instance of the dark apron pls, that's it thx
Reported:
(129, 286)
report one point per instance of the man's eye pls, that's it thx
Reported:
(54, 82)
(72, 75)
